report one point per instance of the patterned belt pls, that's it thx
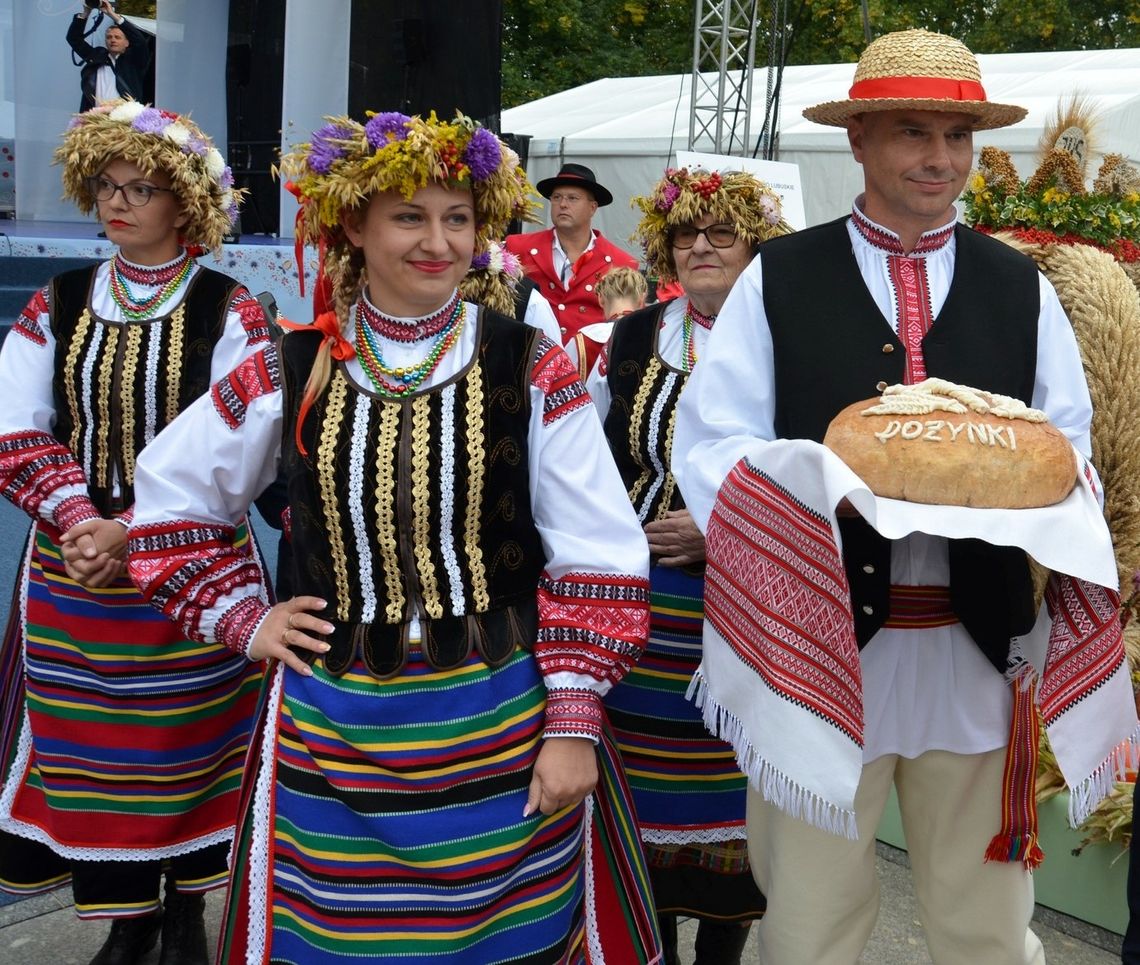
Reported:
(920, 608)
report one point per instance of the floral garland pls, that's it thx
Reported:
(1054, 206)
(346, 162)
(493, 278)
(682, 196)
(154, 140)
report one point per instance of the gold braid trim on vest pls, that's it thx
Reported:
(386, 510)
(476, 445)
(82, 327)
(326, 473)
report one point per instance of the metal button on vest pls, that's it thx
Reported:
(869, 610)
(868, 568)
(608, 258)
(589, 288)
(534, 251)
(551, 284)
(880, 386)
(562, 308)
(562, 329)
(581, 309)
(888, 348)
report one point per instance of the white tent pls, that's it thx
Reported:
(628, 128)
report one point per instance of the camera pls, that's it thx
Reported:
(95, 4)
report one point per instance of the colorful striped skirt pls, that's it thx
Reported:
(129, 741)
(688, 790)
(383, 822)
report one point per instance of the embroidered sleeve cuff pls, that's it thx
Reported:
(239, 624)
(127, 516)
(73, 510)
(574, 713)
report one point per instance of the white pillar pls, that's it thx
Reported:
(190, 63)
(44, 92)
(315, 77)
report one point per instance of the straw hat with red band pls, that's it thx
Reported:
(921, 71)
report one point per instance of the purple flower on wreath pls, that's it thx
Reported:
(668, 197)
(227, 178)
(324, 150)
(481, 261)
(150, 121)
(482, 154)
(196, 145)
(378, 128)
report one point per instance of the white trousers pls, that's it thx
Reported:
(823, 893)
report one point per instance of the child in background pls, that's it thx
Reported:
(620, 291)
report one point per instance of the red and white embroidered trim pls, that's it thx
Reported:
(33, 465)
(558, 379)
(252, 316)
(258, 375)
(28, 321)
(593, 624)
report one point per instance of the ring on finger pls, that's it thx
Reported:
(291, 627)
(285, 635)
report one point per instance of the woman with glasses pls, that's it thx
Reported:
(701, 229)
(122, 741)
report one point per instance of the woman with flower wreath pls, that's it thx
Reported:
(123, 741)
(702, 229)
(433, 726)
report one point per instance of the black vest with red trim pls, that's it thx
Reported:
(417, 504)
(118, 384)
(833, 347)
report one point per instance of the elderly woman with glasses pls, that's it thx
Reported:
(122, 741)
(700, 228)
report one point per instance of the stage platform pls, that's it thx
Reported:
(259, 262)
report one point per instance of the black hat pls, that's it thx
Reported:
(578, 176)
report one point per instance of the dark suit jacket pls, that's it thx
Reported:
(130, 68)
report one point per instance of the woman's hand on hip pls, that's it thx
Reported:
(291, 624)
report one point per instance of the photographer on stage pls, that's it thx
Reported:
(117, 70)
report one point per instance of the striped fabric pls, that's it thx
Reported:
(379, 786)
(132, 739)
(920, 608)
(686, 785)
(395, 832)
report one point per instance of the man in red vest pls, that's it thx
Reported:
(567, 260)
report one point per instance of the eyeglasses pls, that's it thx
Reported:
(135, 192)
(558, 197)
(717, 235)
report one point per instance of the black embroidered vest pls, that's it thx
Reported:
(117, 385)
(421, 503)
(639, 426)
(833, 347)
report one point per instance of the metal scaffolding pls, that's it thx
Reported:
(724, 55)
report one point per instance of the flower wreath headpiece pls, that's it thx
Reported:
(493, 278)
(345, 162)
(153, 140)
(1054, 206)
(682, 196)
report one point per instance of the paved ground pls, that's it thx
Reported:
(43, 930)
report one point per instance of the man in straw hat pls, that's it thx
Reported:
(567, 261)
(831, 696)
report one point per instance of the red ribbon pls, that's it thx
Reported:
(328, 325)
(918, 88)
(298, 244)
(339, 348)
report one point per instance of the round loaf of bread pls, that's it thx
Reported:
(953, 458)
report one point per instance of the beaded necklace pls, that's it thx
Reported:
(394, 382)
(689, 348)
(136, 308)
